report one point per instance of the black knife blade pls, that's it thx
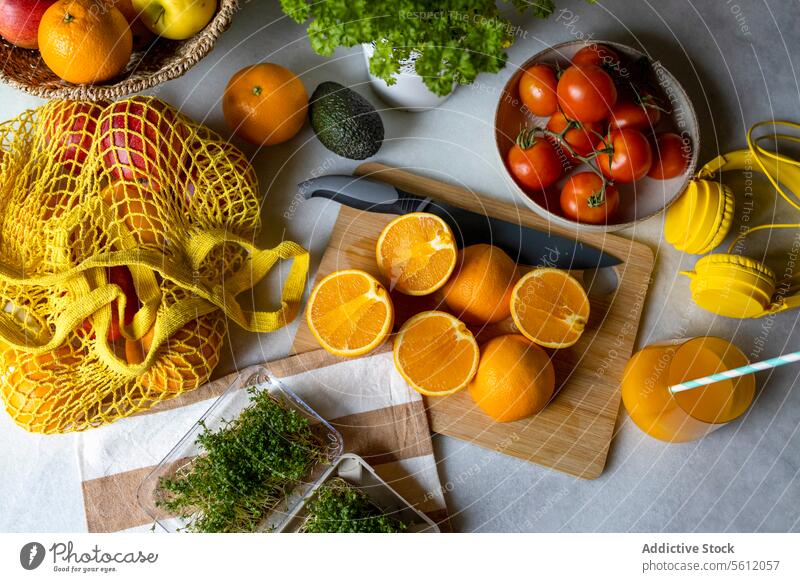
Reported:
(528, 246)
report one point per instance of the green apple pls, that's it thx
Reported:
(175, 19)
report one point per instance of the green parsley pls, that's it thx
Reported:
(339, 507)
(247, 467)
(456, 39)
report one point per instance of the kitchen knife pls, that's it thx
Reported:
(525, 245)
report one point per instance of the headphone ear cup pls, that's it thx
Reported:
(732, 286)
(723, 224)
(701, 218)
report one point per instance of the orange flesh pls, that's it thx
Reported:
(551, 309)
(435, 355)
(348, 312)
(417, 254)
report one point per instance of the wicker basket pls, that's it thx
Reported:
(162, 61)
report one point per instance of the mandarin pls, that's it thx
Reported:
(515, 379)
(85, 41)
(480, 290)
(265, 104)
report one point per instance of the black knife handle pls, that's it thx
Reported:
(362, 194)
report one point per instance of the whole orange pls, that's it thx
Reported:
(480, 289)
(515, 378)
(265, 104)
(85, 41)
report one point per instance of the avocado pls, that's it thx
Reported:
(345, 122)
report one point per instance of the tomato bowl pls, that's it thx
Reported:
(638, 200)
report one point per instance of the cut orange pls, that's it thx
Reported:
(416, 253)
(550, 308)
(436, 353)
(350, 313)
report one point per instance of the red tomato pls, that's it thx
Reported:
(596, 54)
(671, 156)
(631, 156)
(582, 138)
(583, 199)
(537, 88)
(586, 93)
(534, 162)
(642, 113)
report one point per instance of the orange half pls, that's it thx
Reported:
(436, 354)
(550, 308)
(416, 253)
(350, 313)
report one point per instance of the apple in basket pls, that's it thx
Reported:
(175, 19)
(140, 138)
(19, 21)
(120, 276)
(70, 127)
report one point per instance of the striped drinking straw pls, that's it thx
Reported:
(736, 372)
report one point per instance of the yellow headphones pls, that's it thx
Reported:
(728, 284)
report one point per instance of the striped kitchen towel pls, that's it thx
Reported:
(378, 415)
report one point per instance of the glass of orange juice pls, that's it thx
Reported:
(692, 414)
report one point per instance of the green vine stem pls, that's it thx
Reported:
(527, 138)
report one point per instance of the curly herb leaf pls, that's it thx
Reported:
(457, 39)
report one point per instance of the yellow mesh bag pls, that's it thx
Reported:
(126, 237)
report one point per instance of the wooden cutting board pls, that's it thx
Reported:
(573, 433)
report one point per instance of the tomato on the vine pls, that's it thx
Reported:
(585, 199)
(586, 93)
(596, 54)
(534, 161)
(671, 156)
(630, 156)
(642, 113)
(537, 89)
(581, 137)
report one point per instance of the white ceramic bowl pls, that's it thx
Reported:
(638, 201)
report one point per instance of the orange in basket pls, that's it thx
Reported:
(85, 42)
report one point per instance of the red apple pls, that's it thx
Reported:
(120, 276)
(141, 138)
(142, 36)
(70, 127)
(19, 21)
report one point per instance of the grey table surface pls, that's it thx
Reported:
(737, 60)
